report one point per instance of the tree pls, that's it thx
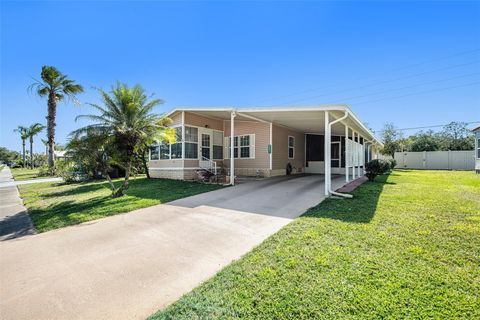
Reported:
(24, 136)
(163, 135)
(424, 141)
(45, 143)
(390, 137)
(56, 86)
(32, 131)
(7, 156)
(90, 155)
(126, 118)
(456, 136)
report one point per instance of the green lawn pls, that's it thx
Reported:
(405, 247)
(26, 174)
(56, 205)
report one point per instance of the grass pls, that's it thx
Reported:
(53, 205)
(25, 174)
(407, 246)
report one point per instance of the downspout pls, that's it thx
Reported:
(232, 160)
(330, 177)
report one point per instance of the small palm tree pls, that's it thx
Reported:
(32, 131)
(24, 136)
(56, 86)
(126, 117)
(45, 143)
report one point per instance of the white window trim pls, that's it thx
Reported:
(197, 143)
(169, 147)
(183, 125)
(288, 147)
(239, 146)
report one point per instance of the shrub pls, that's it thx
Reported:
(374, 168)
(393, 163)
(385, 166)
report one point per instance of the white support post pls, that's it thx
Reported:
(183, 134)
(354, 154)
(327, 154)
(359, 156)
(232, 160)
(270, 156)
(347, 156)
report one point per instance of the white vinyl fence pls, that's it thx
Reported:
(436, 160)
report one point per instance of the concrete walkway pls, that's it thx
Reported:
(13, 183)
(14, 219)
(130, 265)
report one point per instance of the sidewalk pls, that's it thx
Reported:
(14, 220)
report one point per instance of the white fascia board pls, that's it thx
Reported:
(179, 109)
(334, 107)
(354, 116)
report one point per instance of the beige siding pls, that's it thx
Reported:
(262, 139)
(176, 119)
(177, 163)
(200, 121)
(190, 163)
(280, 148)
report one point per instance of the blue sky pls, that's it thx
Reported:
(411, 63)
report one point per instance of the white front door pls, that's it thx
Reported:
(205, 146)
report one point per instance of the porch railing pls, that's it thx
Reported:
(208, 165)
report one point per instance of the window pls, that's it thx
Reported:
(243, 146)
(176, 148)
(291, 147)
(191, 134)
(164, 151)
(191, 150)
(217, 145)
(154, 151)
(478, 146)
(176, 151)
(191, 143)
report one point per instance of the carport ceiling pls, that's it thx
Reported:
(301, 119)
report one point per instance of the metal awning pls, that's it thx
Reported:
(304, 119)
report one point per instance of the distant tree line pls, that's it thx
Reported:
(454, 136)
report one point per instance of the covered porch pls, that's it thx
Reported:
(316, 139)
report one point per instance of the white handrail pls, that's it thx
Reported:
(211, 165)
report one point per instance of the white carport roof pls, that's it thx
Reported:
(305, 119)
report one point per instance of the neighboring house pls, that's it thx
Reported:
(266, 142)
(59, 154)
(477, 149)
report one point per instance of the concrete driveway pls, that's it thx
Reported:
(286, 197)
(130, 265)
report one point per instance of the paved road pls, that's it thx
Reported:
(14, 220)
(130, 265)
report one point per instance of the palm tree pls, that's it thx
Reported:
(56, 86)
(126, 117)
(45, 143)
(23, 135)
(32, 131)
